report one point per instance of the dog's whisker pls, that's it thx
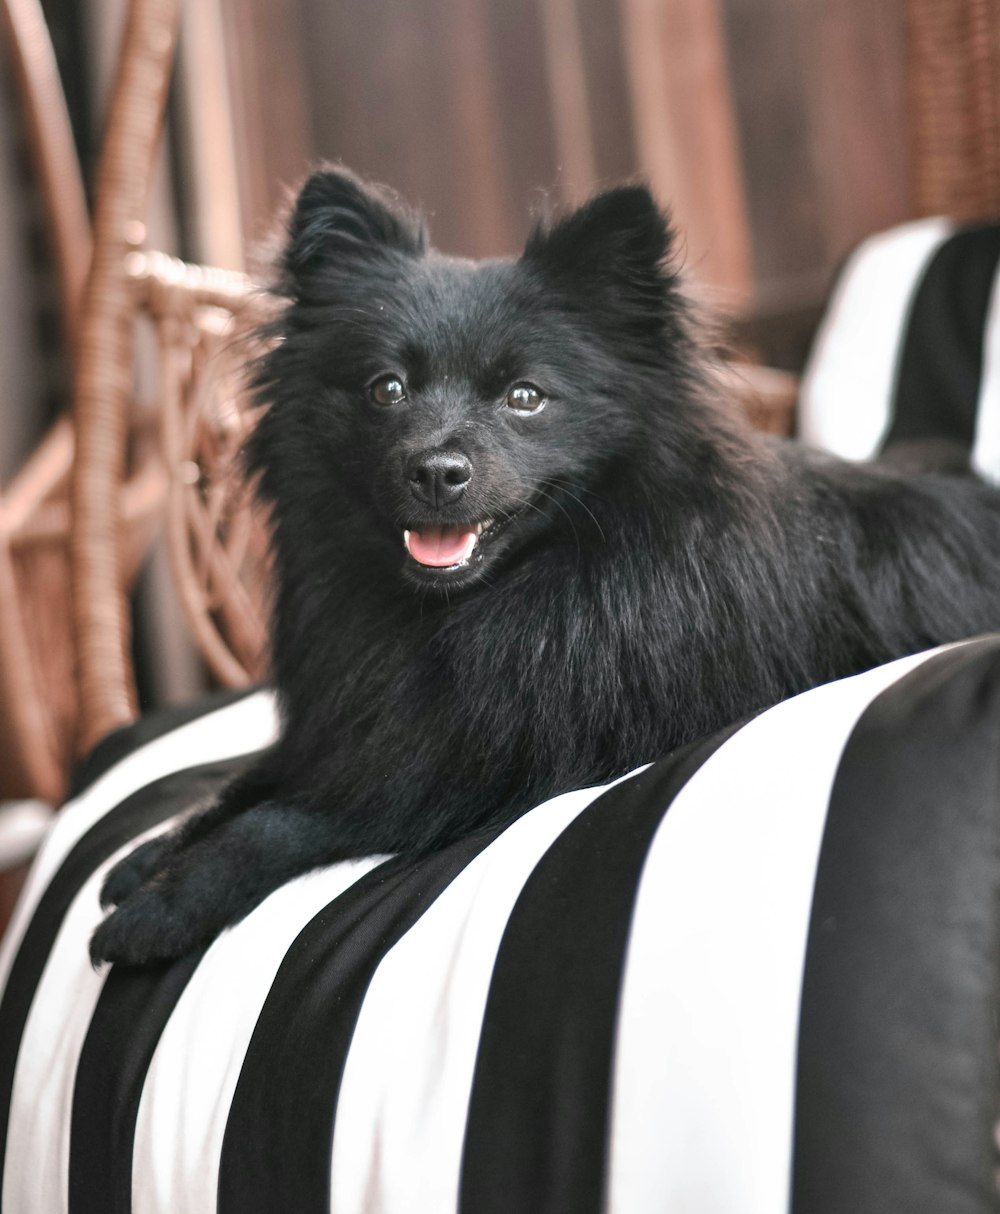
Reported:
(583, 506)
(569, 518)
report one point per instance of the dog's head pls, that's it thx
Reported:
(442, 412)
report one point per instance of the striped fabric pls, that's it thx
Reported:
(759, 975)
(909, 348)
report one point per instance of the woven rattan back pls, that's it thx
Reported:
(38, 710)
(205, 321)
(954, 95)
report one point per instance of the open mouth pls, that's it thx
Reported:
(448, 551)
(443, 549)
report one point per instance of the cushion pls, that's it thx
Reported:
(909, 348)
(757, 975)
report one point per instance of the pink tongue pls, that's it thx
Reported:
(441, 546)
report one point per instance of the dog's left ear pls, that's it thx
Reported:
(338, 217)
(616, 244)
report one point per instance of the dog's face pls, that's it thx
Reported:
(453, 404)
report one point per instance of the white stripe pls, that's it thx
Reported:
(704, 1072)
(37, 1156)
(193, 1075)
(404, 1096)
(845, 399)
(23, 825)
(36, 1170)
(986, 449)
(248, 725)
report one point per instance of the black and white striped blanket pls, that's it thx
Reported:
(759, 975)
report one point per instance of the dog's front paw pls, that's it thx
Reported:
(136, 869)
(155, 923)
(200, 886)
(183, 906)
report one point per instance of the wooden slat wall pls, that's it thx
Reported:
(819, 93)
(270, 108)
(605, 66)
(484, 111)
(686, 132)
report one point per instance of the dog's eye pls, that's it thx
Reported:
(387, 390)
(525, 398)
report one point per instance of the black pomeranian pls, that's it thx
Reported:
(521, 549)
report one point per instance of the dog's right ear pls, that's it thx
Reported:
(337, 216)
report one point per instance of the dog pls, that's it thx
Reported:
(521, 546)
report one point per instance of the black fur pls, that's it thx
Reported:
(664, 571)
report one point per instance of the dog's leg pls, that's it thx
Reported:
(214, 880)
(252, 787)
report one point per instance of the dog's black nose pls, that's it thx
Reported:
(438, 477)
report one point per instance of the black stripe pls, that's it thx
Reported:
(130, 1016)
(121, 742)
(936, 391)
(897, 1066)
(537, 1134)
(276, 1150)
(142, 810)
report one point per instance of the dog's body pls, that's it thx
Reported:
(648, 571)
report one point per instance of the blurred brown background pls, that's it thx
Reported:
(774, 128)
(771, 127)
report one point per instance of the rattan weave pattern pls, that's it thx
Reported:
(954, 85)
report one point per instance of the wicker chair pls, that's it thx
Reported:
(37, 685)
(202, 422)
